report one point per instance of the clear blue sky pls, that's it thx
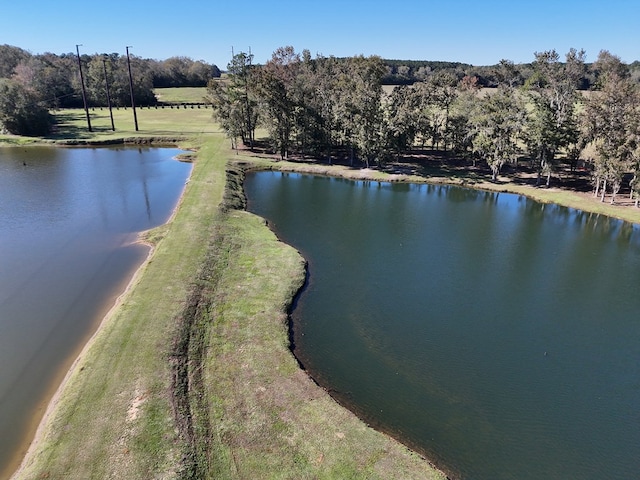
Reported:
(470, 31)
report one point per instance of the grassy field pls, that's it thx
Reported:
(152, 122)
(172, 123)
(180, 95)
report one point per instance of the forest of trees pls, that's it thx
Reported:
(326, 107)
(31, 85)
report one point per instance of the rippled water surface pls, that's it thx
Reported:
(68, 220)
(497, 335)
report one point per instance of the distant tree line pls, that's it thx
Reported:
(331, 108)
(408, 72)
(31, 85)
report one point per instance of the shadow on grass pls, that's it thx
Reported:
(442, 165)
(69, 126)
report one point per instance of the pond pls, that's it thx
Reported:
(69, 219)
(496, 335)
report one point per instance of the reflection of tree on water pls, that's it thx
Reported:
(607, 227)
(145, 190)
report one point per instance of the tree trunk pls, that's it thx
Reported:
(615, 188)
(604, 189)
(595, 193)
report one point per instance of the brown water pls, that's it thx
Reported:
(69, 219)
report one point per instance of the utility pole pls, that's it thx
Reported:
(84, 93)
(246, 87)
(106, 82)
(133, 103)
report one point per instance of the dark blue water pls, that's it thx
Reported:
(69, 220)
(497, 335)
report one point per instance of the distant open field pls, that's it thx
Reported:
(180, 95)
(173, 123)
